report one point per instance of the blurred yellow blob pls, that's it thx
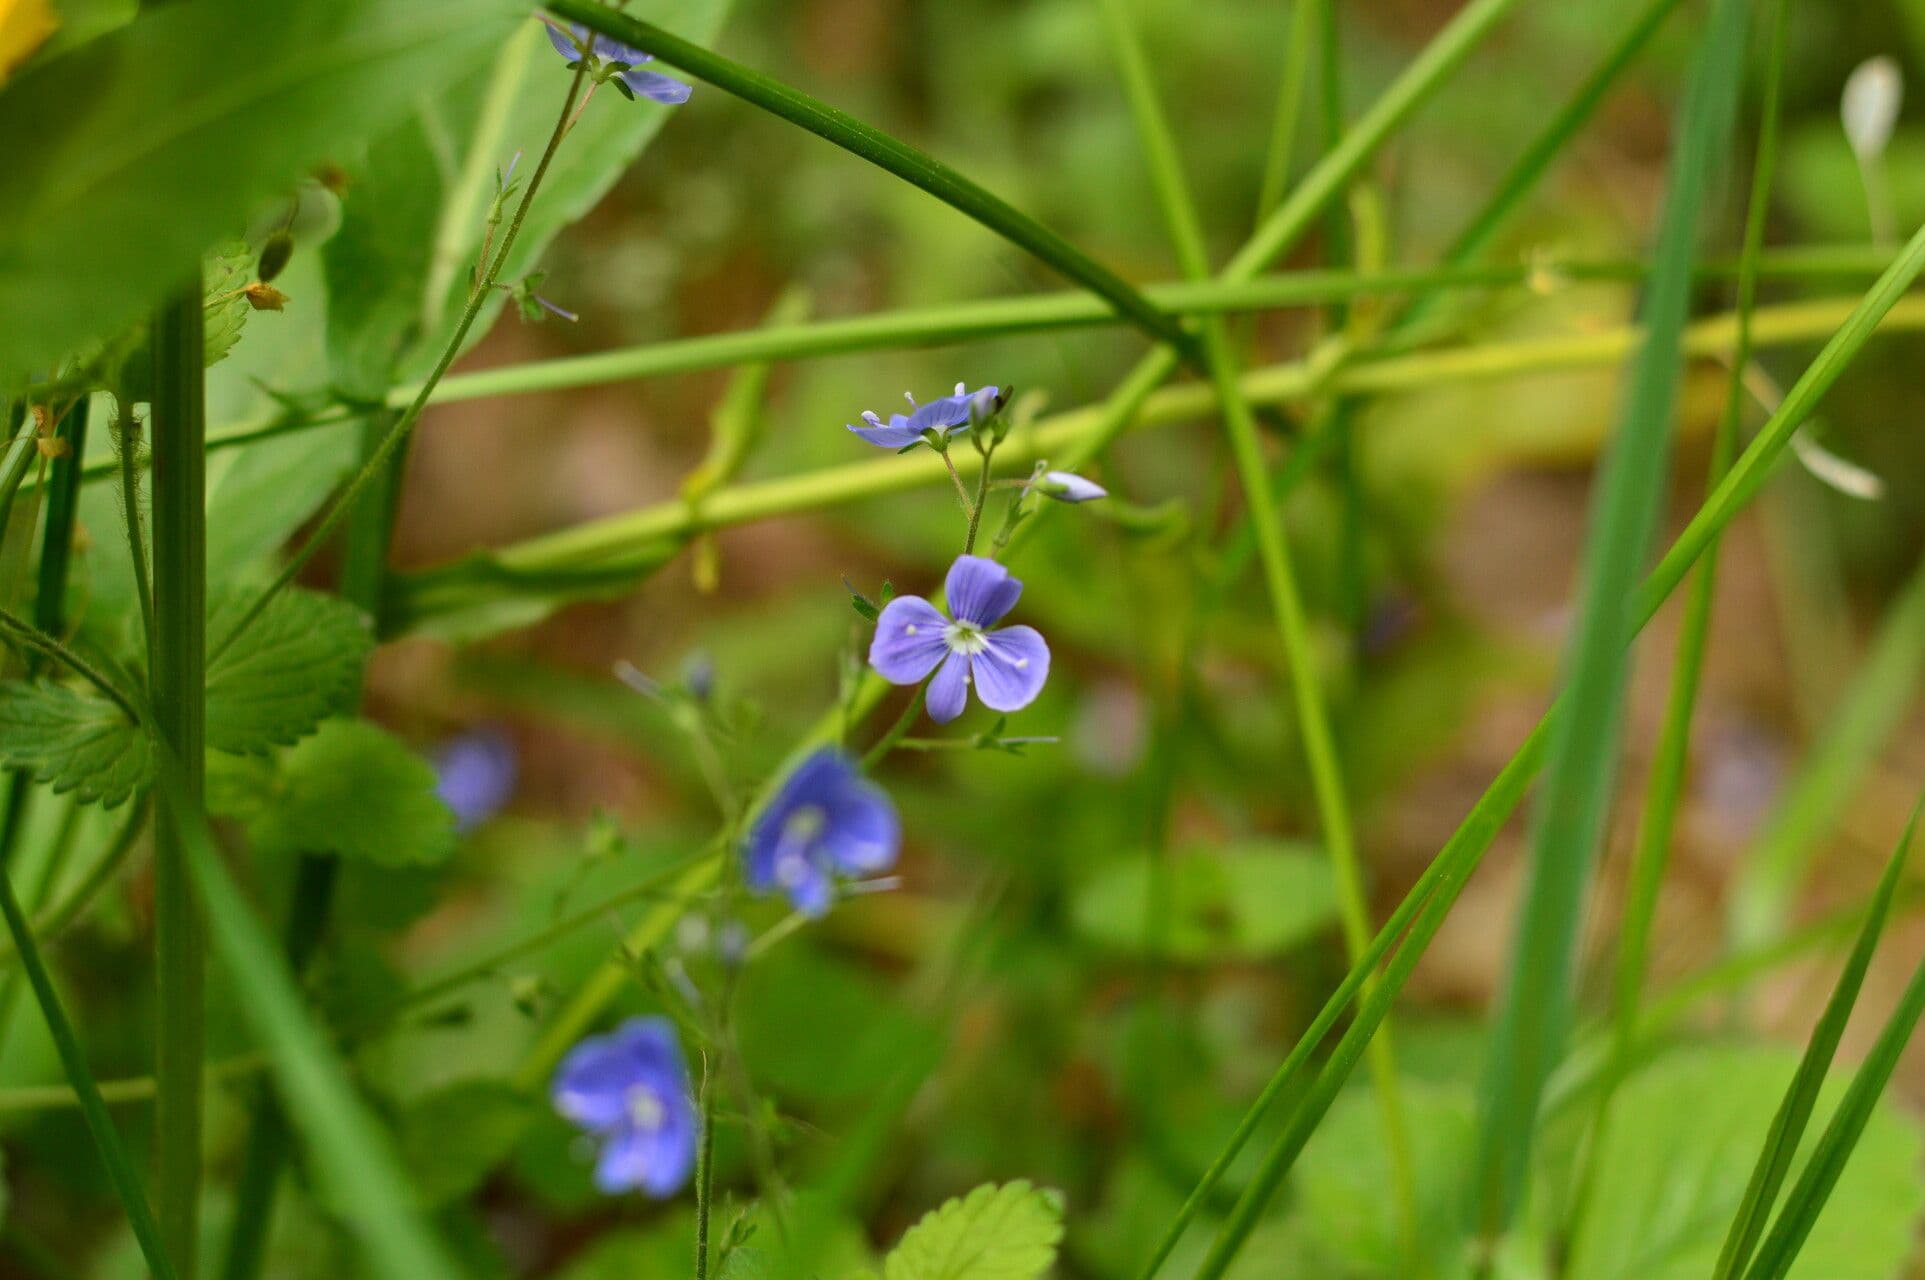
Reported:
(24, 25)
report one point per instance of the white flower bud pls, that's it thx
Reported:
(1869, 107)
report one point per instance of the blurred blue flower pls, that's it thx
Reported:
(1007, 666)
(475, 775)
(949, 415)
(630, 1090)
(826, 820)
(658, 88)
(1067, 486)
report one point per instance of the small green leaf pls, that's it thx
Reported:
(297, 664)
(73, 740)
(351, 790)
(453, 1138)
(1239, 903)
(994, 1233)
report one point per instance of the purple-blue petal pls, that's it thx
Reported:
(475, 776)
(566, 47)
(1011, 671)
(656, 1161)
(949, 691)
(592, 1084)
(980, 590)
(889, 437)
(864, 834)
(908, 642)
(655, 87)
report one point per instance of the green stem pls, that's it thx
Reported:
(889, 741)
(127, 462)
(113, 1154)
(705, 1176)
(177, 665)
(54, 920)
(1304, 18)
(976, 506)
(397, 435)
(887, 153)
(34, 640)
(1319, 747)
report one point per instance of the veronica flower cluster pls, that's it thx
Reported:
(827, 827)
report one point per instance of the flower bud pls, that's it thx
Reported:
(1067, 486)
(264, 297)
(1870, 105)
(274, 255)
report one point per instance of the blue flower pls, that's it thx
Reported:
(826, 820)
(475, 776)
(948, 415)
(630, 1090)
(1007, 666)
(659, 88)
(1067, 486)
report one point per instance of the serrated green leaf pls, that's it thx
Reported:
(453, 1138)
(227, 270)
(73, 740)
(1007, 1232)
(294, 666)
(352, 790)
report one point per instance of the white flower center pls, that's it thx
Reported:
(965, 638)
(645, 1110)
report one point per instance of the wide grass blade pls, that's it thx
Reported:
(1664, 787)
(350, 1152)
(884, 151)
(1582, 754)
(1834, 1149)
(1788, 1126)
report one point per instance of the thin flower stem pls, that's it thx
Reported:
(705, 1174)
(126, 451)
(962, 490)
(113, 1153)
(31, 637)
(897, 731)
(398, 434)
(981, 500)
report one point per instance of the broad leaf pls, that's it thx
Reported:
(73, 740)
(1007, 1232)
(348, 789)
(398, 271)
(1243, 902)
(294, 666)
(157, 139)
(453, 1138)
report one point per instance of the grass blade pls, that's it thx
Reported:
(349, 1150)
(113, 1153)
(1665, 784)
(1240, 425)
(1581, 757)
(1821, 1173)
(888, 153)
(1788, 1126)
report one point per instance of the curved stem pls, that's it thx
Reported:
(397, 435)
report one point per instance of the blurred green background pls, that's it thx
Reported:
(1059, 1052)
